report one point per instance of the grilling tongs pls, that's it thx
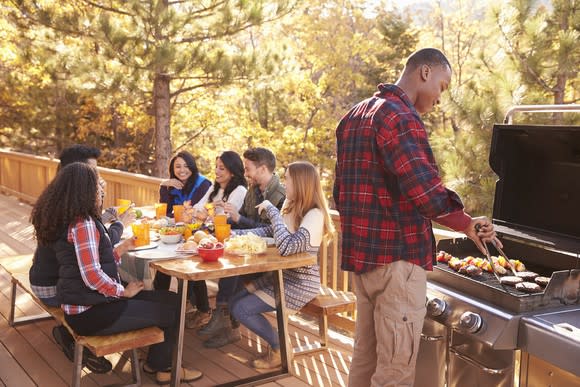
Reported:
(488, 256)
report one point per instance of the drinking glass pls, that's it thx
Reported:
(222, 231)
(141, 234)
(123, 205)
(160, 210)
(178, 213)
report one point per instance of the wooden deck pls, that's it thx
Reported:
(30, 357)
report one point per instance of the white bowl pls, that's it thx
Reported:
(170, 239)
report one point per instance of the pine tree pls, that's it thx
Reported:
(159, 50)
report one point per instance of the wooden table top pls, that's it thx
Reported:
(193, 268)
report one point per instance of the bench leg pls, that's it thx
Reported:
(323, 329)
(78, 365)
(12, 320)
(322, 332)
(12, 303)
(135, 367)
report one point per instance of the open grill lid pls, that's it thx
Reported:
(537, 195)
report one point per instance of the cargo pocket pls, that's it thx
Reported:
(404, 330)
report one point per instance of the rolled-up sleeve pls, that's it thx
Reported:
(85, 237)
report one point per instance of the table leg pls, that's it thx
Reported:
(285, 347)
(281, 316)
(178, 348)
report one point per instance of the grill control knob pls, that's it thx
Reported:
(436, 307)
(470, 322)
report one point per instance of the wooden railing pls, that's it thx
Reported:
(25, 176)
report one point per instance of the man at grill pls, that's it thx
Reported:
(387, 190)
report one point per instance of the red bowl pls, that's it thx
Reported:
(210, 255)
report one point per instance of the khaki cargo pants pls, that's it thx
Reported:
(390, 308)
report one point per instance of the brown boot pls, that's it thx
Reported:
(272, 359)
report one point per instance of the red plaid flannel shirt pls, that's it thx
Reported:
(387, 186)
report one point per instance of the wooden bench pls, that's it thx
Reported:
(327, 303)
(99, 345)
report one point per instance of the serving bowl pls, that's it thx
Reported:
(170, 239)
(210, 255)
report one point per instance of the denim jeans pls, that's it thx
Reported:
(247, 308)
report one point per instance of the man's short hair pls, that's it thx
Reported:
(427, 56)
(261, 156)
(77, 152)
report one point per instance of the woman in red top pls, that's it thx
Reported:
(66, 218)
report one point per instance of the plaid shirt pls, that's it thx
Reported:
(85, 236)
(387, 186)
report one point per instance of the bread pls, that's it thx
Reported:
(199, 235)
(528, 287)
(510, 280)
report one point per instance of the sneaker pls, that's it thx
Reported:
(187, 375)
(271, 359)
(225, 337)
(98, 365)
(220, 319)
(197, 319)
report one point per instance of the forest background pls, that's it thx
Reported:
(142, 80)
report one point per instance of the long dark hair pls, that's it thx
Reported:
(71, 195)
(191, 164)
(233, 163)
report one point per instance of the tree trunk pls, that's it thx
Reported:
(162, 106)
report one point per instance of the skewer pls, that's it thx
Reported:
(510, 265)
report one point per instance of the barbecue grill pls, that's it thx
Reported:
(480, 332)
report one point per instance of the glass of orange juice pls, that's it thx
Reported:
(222, 231)
(141, 234)
(123, 205)
(178, 213)
(220, 219)
(160, 210)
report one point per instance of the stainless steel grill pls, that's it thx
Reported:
(479, 332)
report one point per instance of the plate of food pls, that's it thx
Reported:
(246, 244)
(187, 248)
(150, 246)
(155, 254)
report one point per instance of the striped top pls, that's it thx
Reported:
(302, 284)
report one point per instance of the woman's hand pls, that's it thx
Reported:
(232, 212)
(263, 206)
(124, 246)
(175, 183)
(133, 288)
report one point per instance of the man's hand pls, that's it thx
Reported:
(481, 230)
(232, 211)
(127, 217)
(133, 288)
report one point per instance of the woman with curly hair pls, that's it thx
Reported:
(66, 218)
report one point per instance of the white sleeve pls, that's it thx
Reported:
(199, 205)
(313, 221)
(237, 196)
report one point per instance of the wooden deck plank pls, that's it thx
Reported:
(11, 373)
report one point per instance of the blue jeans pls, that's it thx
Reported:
(247, 308)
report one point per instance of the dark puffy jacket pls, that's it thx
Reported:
(71, 288)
